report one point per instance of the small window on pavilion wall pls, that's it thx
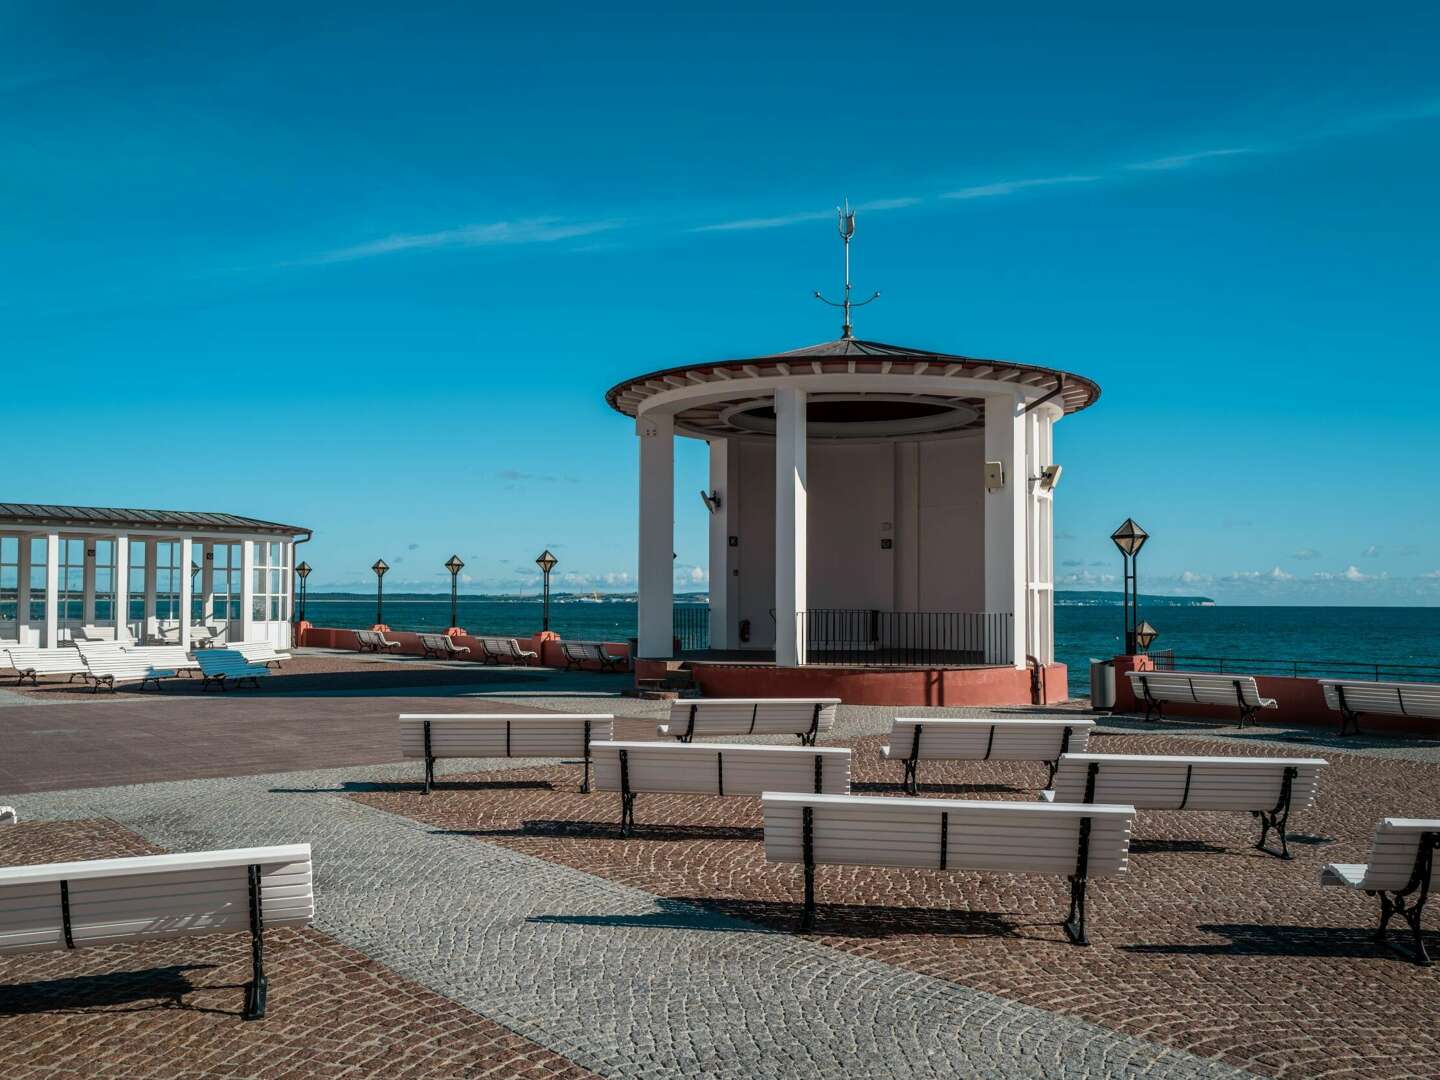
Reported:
(9, 578)
(268, 601)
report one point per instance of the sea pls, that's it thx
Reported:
(1314, 641)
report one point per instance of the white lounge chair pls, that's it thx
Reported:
(77, 904)
(991, 739)
(226, 668)
(374, 641)
(439, 645)
(30, 663)
(489, 735)
(1269, 788)
(1402, 870)
(506, 651)
(1156, 688)
(259, 652)
(805, 718)
(1352, 698)
(714, 769)
(1077, 842)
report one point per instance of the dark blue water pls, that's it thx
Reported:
(1273, 634)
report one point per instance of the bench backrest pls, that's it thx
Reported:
(171, 656)
(1012, 837)
(1392, 853)
(751, 716)
(152, 896)
(717, 769)
(45, 661)
(1204, 689)
(581, 650)
(1173, 782)
(434, 641)
(122, 666)
(502, 735)
(501, 646)
(254, 651)
(227, 662)
(1393, 699)
(367, 637)
(987, 739)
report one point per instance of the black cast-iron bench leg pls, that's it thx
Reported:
(258, 987)
(1276, 819)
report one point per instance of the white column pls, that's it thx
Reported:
(207, 581)
(657, 535)
(52, 591)
(247, 591)
(87, 613)
(1005, 584)
(724, 559)
(122, 588)
(148, 623)
(187, 547)
(791, 510)
(22, 592)
(906, 528)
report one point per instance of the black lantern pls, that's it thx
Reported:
(454, 565)
(1130, 538)
(380, 567)
(302, 572)
(1144, 635)
(546, 562)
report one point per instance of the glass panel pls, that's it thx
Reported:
(257, 608)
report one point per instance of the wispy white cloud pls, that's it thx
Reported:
(1306, 554)
(1009, 187)
(494, 234)
(1180, 161)
(802, 216)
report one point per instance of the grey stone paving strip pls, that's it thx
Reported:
(616, 979)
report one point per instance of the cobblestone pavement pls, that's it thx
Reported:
(605, 974)
(1206, 946)
(163, 1009)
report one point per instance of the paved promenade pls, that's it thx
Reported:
(456, 937)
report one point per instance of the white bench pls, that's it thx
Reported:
(107, 664)
(259, 652)
(31, 662)
(913, 740)
(715, 769)
(1350, 699)
(373, 641)
(226, 668)
(77, 904)
(1156, 688)
(504, 650)
(805, 718)
(166, 656)
(1269, 788)
(438, 645)
(579, 653)
(1077, 842)
(489, 735)
(1402, 864)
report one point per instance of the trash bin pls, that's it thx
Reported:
(1102, 685)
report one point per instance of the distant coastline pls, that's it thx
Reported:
(1063, 598)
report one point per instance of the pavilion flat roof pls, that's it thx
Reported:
(46, 515)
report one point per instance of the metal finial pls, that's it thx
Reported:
(846, 224)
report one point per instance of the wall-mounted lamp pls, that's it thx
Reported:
(1048, 478)
(994, 475)
(711, 499)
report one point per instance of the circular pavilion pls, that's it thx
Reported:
(872, 507)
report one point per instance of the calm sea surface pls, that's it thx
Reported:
(1366, 635)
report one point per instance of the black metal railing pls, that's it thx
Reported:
(691, 626)
(867, 637)
(1298, 669)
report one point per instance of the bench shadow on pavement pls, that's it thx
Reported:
(882, 787)
(138, 989)
(610, 830)
(782, 917)
(357, 787)
(1253, 939)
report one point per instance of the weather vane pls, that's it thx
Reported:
(847, 230)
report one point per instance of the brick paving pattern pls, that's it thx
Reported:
(1206, 946)
(171, 1008)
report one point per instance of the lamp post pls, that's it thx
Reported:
(302, 572)
(546, 562)
(380, 567)
(454, 565)
(1130, 538)
(1144, 635)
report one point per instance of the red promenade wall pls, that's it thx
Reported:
(873, 686)
(325, 637)
(1297, 701)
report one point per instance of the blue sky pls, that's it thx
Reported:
(370, 269)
